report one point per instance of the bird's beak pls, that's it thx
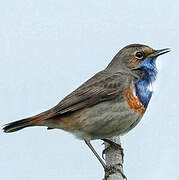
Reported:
(157, 53)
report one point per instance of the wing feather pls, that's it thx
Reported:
(101, 87)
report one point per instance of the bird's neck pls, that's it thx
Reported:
(143, 87)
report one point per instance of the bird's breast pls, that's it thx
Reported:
(133, 101)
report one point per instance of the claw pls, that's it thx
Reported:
(104, 152)
(118, 146)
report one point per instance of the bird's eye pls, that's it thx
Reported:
(139, 55)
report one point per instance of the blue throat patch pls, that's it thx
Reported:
(142, 86)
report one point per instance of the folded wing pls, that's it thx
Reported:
(101, 87)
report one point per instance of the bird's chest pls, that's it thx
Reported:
(138, 97)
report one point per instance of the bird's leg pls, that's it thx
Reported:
(111, 168)
(114, 145)
(95, 153)
(106, 168)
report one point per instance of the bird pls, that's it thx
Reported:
(111, 103)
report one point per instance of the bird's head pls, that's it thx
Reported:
(136, 56)
(139, 61)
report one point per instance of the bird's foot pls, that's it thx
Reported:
(113, 145)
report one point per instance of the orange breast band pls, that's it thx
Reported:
(134, 102)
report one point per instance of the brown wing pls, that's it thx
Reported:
(101, 87)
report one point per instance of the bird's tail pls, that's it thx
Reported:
(17, 125)
(20, 124)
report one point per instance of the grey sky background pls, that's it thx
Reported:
(48, 48)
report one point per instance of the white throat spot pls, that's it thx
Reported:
(149, 87)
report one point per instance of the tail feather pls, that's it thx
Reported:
(31, 121)
(17, 125)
